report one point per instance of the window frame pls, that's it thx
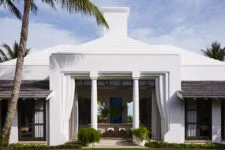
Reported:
(33, 138)
(197, 137)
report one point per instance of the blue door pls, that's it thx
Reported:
(116, 106)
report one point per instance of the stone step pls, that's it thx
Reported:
(115, 141)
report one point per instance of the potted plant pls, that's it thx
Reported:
(140, 136)
(88, 136)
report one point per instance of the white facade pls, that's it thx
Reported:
(115, 55)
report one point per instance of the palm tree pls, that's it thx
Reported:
(12, 53)
(84, 6)
(215, 52)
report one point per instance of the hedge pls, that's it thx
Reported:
(43, 147)
(160, 144)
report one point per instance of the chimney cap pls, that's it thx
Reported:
(115, 9)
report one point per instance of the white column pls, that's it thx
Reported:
(94, 103)
(135, 103)
(76, 113)
(216, 120)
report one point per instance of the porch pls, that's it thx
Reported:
(116, 108)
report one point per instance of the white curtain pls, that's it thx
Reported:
(68, 92)
(191, 118)
(39, 119)
(156, 119)
(74, 119)
(161, 86)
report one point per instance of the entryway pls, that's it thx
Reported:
(115, 108)
(115, 143)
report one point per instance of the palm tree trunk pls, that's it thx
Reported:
(12, 107)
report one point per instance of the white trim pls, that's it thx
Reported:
(50, 95)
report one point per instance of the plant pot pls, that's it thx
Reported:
(90, 145)
(139, 142)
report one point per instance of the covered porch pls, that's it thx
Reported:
(114, 105)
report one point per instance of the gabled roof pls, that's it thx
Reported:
(121, 45)
(38, 58)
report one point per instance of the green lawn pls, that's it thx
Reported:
(144, 149)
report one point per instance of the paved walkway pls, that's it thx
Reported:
(115, 143)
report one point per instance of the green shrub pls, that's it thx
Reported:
(161, 144)
(88, 135)
(142, 133)
(44, 147)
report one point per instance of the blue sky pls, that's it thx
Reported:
(189, 24)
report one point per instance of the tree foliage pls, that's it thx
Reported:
(10, 53)
(215, 51)
(85, 7)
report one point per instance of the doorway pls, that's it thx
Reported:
(116, 109)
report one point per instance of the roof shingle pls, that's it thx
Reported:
(203, 89)
(29, 89)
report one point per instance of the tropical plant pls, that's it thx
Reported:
(88, 135)
(129, 119)
(84, 6)
(116, 111)
(215, 52)
(142, 133)
(10, 53)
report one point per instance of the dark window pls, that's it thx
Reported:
(223, 118)
(145, 114)
(198, 119)
(4, 108)
(84, 108)
(32, 120)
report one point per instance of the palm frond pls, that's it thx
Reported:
(34, 8)
(9, 50)
(27, 51)
(3, 56)
(85, 7)
(50, 3)
(215, 51)
(16, 48)
(9, 4)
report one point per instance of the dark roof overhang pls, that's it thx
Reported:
(29, 89)
(202, 89)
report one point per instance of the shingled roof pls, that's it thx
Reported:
(207, 89)
(29, 89)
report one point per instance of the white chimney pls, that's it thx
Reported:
(117, 18)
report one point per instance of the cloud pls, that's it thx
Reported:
(189, 24)
(191, 38)
(40, 36)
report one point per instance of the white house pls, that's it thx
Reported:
(177, 94)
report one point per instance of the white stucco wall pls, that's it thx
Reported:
(202, 73)
(123, 63)
(14, 130)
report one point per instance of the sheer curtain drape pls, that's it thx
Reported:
(68, 92)
(191, 116)
(39, 117)
(161, 88)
